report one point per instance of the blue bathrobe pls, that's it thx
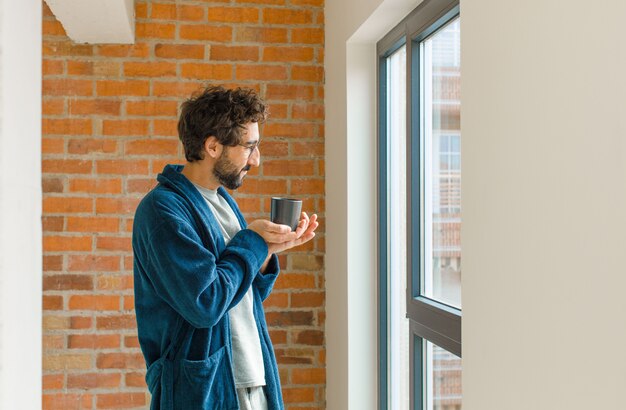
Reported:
(186, 281)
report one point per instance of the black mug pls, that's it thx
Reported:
(286, 211)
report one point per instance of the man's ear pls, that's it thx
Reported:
(212, 147)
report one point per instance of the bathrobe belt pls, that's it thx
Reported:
(162, 370)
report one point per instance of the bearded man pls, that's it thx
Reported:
(201, 273)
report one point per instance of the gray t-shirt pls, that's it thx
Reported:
(248, 367)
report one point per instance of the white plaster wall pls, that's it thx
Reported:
(544, 204)
(20, 204)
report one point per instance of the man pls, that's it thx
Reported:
(201, 274)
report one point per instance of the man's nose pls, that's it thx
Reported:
(255, 158)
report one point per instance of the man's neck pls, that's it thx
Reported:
(198, 173)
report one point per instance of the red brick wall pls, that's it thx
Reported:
(109, 126)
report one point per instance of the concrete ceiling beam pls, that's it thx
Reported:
(96, 21)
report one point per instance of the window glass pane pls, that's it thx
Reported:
(443, 143)
(456, 143)
(455, 162)
(398, 326)
(441, 161)
(443, 379)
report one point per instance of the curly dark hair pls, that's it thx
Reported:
(219, 112)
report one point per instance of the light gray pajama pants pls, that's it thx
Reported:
(252, 398)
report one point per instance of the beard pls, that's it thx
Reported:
(227, 173)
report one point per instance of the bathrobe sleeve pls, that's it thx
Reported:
(264, 282)
(199, 286)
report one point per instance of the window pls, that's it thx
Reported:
(419, 198)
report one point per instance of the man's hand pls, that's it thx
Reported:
(271, 232)
(304, 233)
(280, 237)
